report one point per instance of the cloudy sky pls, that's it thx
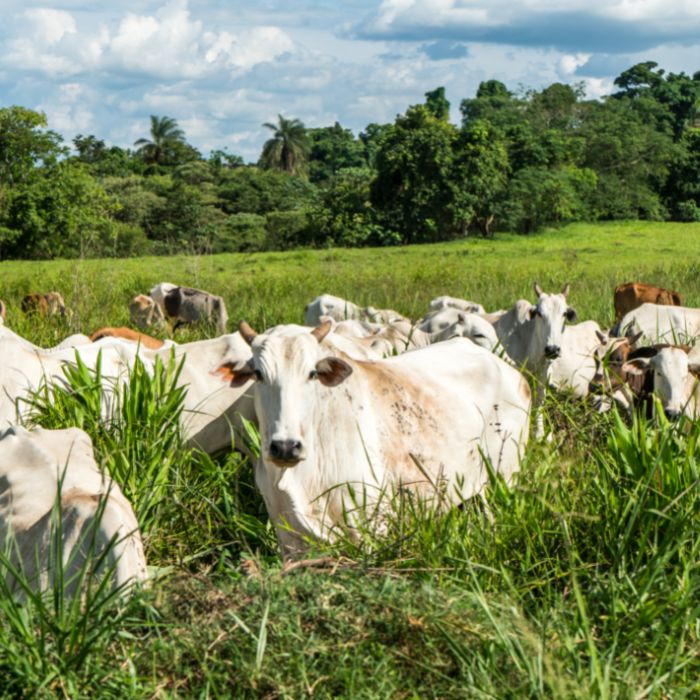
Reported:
(222, 67)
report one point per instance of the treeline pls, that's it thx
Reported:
(517, 162)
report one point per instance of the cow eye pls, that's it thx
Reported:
(258, 374)
(313, 374)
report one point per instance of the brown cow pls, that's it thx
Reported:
(127, 334)
(49, 304)
(630, 295)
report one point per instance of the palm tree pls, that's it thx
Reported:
(164, 134)
(289, 147)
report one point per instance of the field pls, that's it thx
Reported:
(581, 581)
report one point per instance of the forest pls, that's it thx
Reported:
(515, 160)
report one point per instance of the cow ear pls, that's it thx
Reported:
(538, 290)
(570, 314)
(235, 374)
(332, 371)
(533, 312)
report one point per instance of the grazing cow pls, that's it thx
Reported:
(662, 324)
(51, 487)
(3, 312)
(145, 312)
(185, 306)
(445, 302)
(49, 304)
(340, 310)
(668, 372)
(608, 378)
(337, 432)
(631, 295)
(128, 334)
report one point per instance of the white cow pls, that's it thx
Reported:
(331, 426)
(94, 521)
(72, 341)
(533, 337)
(341, 309)
(575, 367)
(23, 370)
(445, 302)
(662, 324)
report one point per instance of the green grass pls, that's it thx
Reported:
(583, 580)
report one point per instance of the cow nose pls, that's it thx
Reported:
(285, 450)
(551, 352)
(672, 413)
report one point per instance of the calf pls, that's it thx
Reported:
(185, 305)
(631, 295)
(145, 312)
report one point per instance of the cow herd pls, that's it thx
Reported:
(353, 407)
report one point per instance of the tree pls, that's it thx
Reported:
(333, 148)
(25, 144)
(438, 104)
(166, 136)
(288, 149)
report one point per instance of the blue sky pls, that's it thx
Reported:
(223, 67)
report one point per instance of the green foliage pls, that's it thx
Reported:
(332, 150)
(244, 233)
(167, 143)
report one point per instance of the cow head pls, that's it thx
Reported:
(609, 357)
(550, 314)
(292, 372)
(671, 372)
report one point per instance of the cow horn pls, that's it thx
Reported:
(247, 333)
(565, 289)
(538, 289)
(320, 332)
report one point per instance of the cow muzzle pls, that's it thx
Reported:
(672, 413)
(286, 453)
(551, 352)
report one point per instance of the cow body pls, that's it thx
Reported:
(631, 295)
(185, 306)
(575, 368)
(340, 310)
(330, 425)
(662, 324)
(94, 519)
(127, 334)
(445, 302)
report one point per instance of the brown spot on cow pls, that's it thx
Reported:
(125, 333)
(630, 295)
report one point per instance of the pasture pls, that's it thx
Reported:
(581, 581)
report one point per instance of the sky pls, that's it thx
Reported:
(222, 68)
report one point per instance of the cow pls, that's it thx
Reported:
(185, 305)
(3, 312)
(661, 324)
(445, 302)
(25, 368)
(669, 372)
(49, 304)
(127, 334)
(51, 489)
(630, 295)
(145, 312)
(341, 310)
(608, 378)
(337, 433)
(532, 337)
(72, 341)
